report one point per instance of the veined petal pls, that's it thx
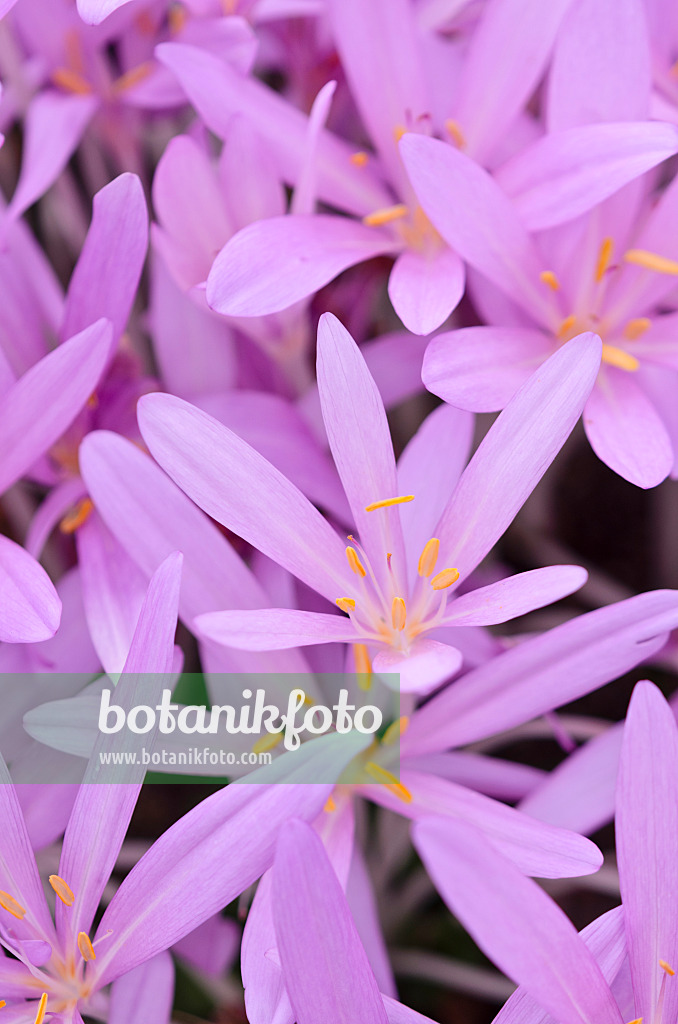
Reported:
(516, 453)
(107, 273)
(646, 827)
(239, 488)
(512, 61)
(481, 368)
(514, 596)
(360, 441)
(325, 969)
(272, 629)
(545, 672)
(625, 430)
(601, 65)
(144, 994)
(54, 125)
(218, 92)
(30, 609)
(424, 289)
(102, 812)
(199, 865)
(519, 927)
(36, 411)
(479, 223)
(533, 846)
(271, 264)
(567, 173)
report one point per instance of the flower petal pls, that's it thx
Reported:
(30, 609)
(272, 629)
(325, 969)
(520, 928)
(514, 596)
(428, 664)
(424, 289)
(144, 994)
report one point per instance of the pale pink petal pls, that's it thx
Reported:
(303, 200)
(481, 368)
(30, 609)
(601, 65)
(144, 994)
(567, 173)
(271, 264)
(514, 596)
(93, 12)
(427, 665)
(425, 288)
(625, 431)
(475, 218)
(54, 125)
(273, 629)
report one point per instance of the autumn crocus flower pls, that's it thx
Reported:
(615, 286)
(392, 597)
(530, 938)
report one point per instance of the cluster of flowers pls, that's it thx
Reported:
(505, 171)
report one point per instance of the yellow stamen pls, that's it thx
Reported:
(604, 257)
(667, 967)
(635, 328)
(40, 1016)
(638, 1020)
(132, 77)
(268, 742)
(85, 946)
(389, 780)
(80, 514)
(445, 579)
(363, 666)
(385, 215)
(354, 562)
(549, 278)
(398, 132)
(387, 502)
(614, 356)
(428, 557)
(62, 889)
(359, 159)
(2, 1003)
(177, 18)
(71, 81)
(455, 133)
(651, 261)
(330, 805)
(398, 613)
(395, 730)
(566, 326)
(11, 905)
(347, 604)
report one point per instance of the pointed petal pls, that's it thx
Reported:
(326, 971)
(218, 92)
(54, 125)
(272, 629)
(40, 406)
(514, 596)
(481, 368)
(360, 440)
(533, 846)
(93, 12)
(516, 453)
(425, 289)
(545, 672)
(646, 827)
(480, 224)
(567, 173)
(30, 609)
(515, 923)
(204, 861)
(107, 273)
(625, 430)
(238, 488)
(271, 264)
